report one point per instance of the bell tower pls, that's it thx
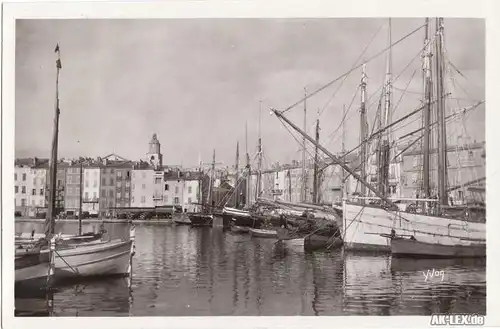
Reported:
(154, 155)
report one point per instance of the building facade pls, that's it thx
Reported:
(72, 195)
(91, 189)
(465, 164)
(30, 176)
(142, 188)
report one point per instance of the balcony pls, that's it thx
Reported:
(90, 200)
(157, 197)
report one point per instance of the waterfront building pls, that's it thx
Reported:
(91, 189)
(30, 177)
(465, 164)
(142, 187)
(72, 188)
(115, 184)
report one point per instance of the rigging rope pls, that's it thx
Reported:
(352, 69)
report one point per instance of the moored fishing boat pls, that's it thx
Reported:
(263, 233)
(201, 219)
(411, 247)
(182, 219)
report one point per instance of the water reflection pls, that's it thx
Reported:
(186, 271)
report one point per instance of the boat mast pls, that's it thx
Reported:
(440, 113)
(384, 165)
(363, 129)
(427, 113)
(304, 188)
(210, 199)
(50, 220)
(258, 192)
(334, 158)
(315, 179)
(80, 201)
(343, 152)
(236, 167)
(248, 187)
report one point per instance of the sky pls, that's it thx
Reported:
(197, 83)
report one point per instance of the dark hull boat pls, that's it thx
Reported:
(240, 229)
(200, 219)
(32, 270)
(182, 220)
(410, 247)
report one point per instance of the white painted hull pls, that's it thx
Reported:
(294, 244)
(235, 212)
(96, 259)
(259, 233)
(364, 224)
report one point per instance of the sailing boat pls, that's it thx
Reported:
(76, 260)
(205, 217)
(388, 228)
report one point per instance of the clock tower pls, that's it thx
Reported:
(154, 155)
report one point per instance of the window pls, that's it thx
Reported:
(23, 202)
(190, 189)
(59, 182)
(118, 184)
(471, 155)
(189, 200)
(143, 199)
(176, 200)
(15, 176)
(167, 187)
(111, 182)
(177, 190)
(143, 186)
(103, 193)
(16, 189)
(23, 189)
(111, 193)
(86, 195)
(41, 203)
(24, 177)
(86, 183)
(95, 183)
(127, 184)
(118, 195)
(94, 195)
(119, 174)
(103, 182)
(133, 199)
(157, 180)
(128, 174)
(41, 191)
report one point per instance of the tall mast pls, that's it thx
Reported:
(50, 220)
(315, 179)
(440, 113)
(258, 192)
(236, 167)
(335, 159)
(248, 191)
(81, 197)
(363, 128)
(343, 152)
(212, 183)
(304, 186)
(427, 113)
(384, 165)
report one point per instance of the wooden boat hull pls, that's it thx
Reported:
(32, 271)
(106, 258)
(365, 225)
(201, 219)
(316, 242)
(260, 233)
(240, 229)
(402, 247)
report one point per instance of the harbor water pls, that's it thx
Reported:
(184, 271)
